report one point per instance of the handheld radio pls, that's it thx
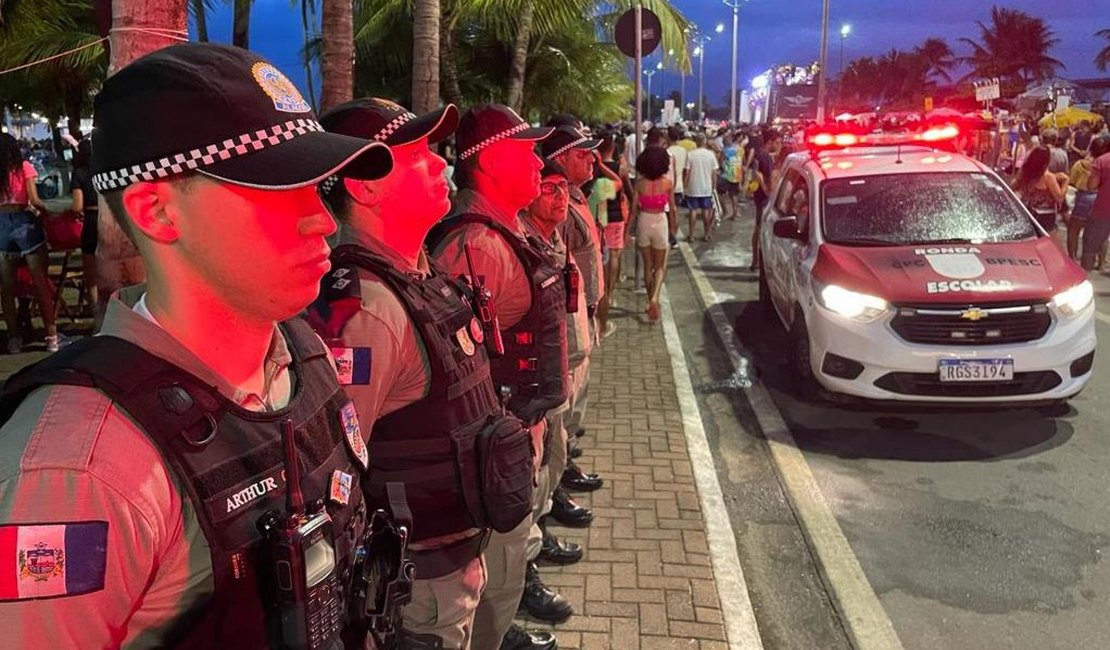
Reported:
(306, 592)
(487, 312)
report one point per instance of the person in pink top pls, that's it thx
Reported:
(21, 232)
(654, 193)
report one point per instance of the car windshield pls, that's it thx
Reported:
(905, 209)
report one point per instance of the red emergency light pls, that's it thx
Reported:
(821, 140)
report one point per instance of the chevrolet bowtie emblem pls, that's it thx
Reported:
(974, 314)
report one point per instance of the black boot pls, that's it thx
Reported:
(540, 601)
(567, 512)
(517, 638)
(556, 551)
(575, 480)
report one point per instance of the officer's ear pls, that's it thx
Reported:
(150, 207)
(362, 192)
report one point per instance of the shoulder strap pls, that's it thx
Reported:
(128, 375)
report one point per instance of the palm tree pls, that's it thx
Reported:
(337, 25)
(199, 11)
(1102, 59)
(425, 55)
(241, 23)
(938, 58)
(1014, 45)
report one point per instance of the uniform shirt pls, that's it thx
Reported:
(579, 342)
(401, 373)
(581, 236)
(68, 455)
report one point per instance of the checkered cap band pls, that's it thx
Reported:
(327, 184)
(565, 148)
(198, 158)
(394, 124)
(490, 140)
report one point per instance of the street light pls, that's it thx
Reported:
(735, 4)
(822, 85)
(845, 29)
(720, 28)
(649, 74)
(699, 52)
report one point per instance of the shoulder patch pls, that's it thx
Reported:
(52, 560)
(341, 282)
(352, 365)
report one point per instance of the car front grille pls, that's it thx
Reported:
(992, 324)
(929, 384)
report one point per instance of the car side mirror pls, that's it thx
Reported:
(787, 228)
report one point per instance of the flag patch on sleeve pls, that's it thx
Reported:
(352, 365)
(51, 560)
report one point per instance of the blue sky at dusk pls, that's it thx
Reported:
(772, 31)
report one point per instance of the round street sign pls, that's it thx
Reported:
(625, 33)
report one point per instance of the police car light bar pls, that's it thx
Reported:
(841, 140)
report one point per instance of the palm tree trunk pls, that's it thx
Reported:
(200, 15)
(425, 56)
(514, 94)
(308, 24)
(449, 67)
(241, 24)
(338, 60)
(118, 262)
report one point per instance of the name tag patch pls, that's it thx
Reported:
(352, 365)
(52, 560)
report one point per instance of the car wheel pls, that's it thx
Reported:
(801, 370)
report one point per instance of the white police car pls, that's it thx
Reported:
(907, 273)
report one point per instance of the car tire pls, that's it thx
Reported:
(801, 370)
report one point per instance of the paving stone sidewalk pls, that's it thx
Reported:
(646, 581)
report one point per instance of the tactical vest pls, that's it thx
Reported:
(228, 461)
(464, 463)
(534, 366)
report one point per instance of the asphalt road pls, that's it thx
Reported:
(974, 529)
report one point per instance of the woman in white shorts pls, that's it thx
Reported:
(654, 192)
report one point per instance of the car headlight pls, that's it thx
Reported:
(862, 307)
(1076, 299)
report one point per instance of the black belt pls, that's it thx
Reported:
(438, 562)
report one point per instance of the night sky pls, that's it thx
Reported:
(772, 31)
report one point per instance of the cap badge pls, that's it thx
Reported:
(284, 94)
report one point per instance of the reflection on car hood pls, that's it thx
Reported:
(1012, 271)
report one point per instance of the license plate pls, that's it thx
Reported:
(976, 369)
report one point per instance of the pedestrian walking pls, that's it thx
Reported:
(653, 193)
(85, 202)
(701, 169)
(1098, 224)
(1082, 200)
(762, 170)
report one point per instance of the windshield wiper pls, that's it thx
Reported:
(946, 240)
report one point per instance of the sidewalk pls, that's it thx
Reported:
(646, 580)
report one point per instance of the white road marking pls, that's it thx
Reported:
(863, 615)
(732, 589)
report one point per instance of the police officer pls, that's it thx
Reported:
(411, 354)
(575, 153)
(498, 175)
(136, 465)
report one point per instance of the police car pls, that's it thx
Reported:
(904, 272)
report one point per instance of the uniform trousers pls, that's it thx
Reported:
(506, 558)
(444, 607)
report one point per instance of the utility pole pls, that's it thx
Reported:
(822, 82)
(735, 4)
(699, 52)
(639, 71)
(649, 74)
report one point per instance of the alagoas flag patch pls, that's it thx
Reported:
(352, 365)
(51, 560)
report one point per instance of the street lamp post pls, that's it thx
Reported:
(699, 52)
(649, 74)
(845, 29)
(735, 4)
(822, 81)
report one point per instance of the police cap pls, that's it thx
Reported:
(221, 111)
(486, 124)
